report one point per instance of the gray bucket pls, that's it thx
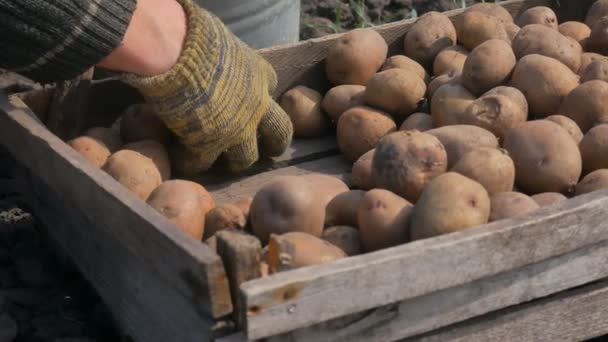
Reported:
(259, 23)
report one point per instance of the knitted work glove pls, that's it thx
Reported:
(217, 98)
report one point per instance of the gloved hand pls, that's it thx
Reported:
(217, 98)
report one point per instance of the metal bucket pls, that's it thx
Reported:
(259, 23)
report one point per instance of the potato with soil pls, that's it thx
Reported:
(296, 249)
(450, 60)
(449, 104)
(598, 10)
(439, 81)
(575, 30)
(134, 171)
(342, 209)
(355, 57)
(546, 158)
(475, 27)
(361, 174)
(91, 149)
(383, 220)
(345, 237)
(494, 10)
(224, 216)
(461, 139)
(417, 121)
(406, 161)
(586, 104)
(597, 70)
(140, 122)
(510, 204)
(431, 33)
(539, 15)
(596, 180)
(155, 151)
(395, 91)
(545, 82)
(488, 66)
(545, 199)
(360, 128)
(594, 149)
(303, 105)
(598, 40)
(185, 204)
(569, 125)
(341, 98)
(541, 40)
(450, 203)
(107, 136)
(490, 167)
(405, 63)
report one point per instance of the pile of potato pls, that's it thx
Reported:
(483, 118)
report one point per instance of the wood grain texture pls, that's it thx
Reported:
(190, 267)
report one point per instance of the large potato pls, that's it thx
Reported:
(383, 220)
(345, 237)
(355, 57)
(342, 209)
(396, 91)
(296, 249)
(569, 125)
(490, 167)
(586, 104)
(598, 40)
(451, 202)
(598, 10)
(539, 15)
(594, 181)
(107, 136)
(475, 27)
(449, 103)
(184, 203)
(406, 63)
(155, 151)
(544, 81)
(91, 149)
(576, 30)
(431, 33)
(342, 98)
(546, 158)
(489, 65)
(140, 122)
(510, 204)
(541, 40)
(494, 10)
(405, 161)
(360, 129)
(303, 105)
(450, 60)
(362, 171)
(594, 149)
(417, 121)
(460, 139)
(597, 70)
(545, 199)
(134, 171)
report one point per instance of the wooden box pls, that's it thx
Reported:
(540, 277)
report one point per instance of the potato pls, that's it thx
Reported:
(362, 171)
(359, 130)
(513, 93)
(355, 57)
(597, 70)
(545, 199)
(134, 171)
(185, 204)
(406, 63)
(417, 121)
(575, 30)
(569, 125)
(489, 65)
(512, 31)
(594, 149)
(594, 181)
(546, 158)
(493, 10)
(140, 122)
(245, 205)
(345, 237)
(545, 82)
(586, 104)
(431, 33)
(342, 98)
(541, 40)
(586, 59)
(598, 10)
(383, 220)
(461, 139)
(490, 167)
(451, 202)
(109, 137)
(439, 81)
(449, 103)
(450, 60)
(510, 204)
(396, 91)
(91, 149)
(540, 15)
(296, 249)
(598, 40)
(475, 27)
(224, 216)
(405, 161)
(303, 105)
(342, 209)
(293, 203)
(155, 151)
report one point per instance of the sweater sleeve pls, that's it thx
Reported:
(57, 40)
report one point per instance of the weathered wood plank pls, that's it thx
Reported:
(192, 268)
(324, 292)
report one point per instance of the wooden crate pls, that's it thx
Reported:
(162, 286)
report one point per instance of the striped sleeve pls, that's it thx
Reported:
(51, 41)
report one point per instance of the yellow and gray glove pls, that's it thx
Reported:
(217, 98)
